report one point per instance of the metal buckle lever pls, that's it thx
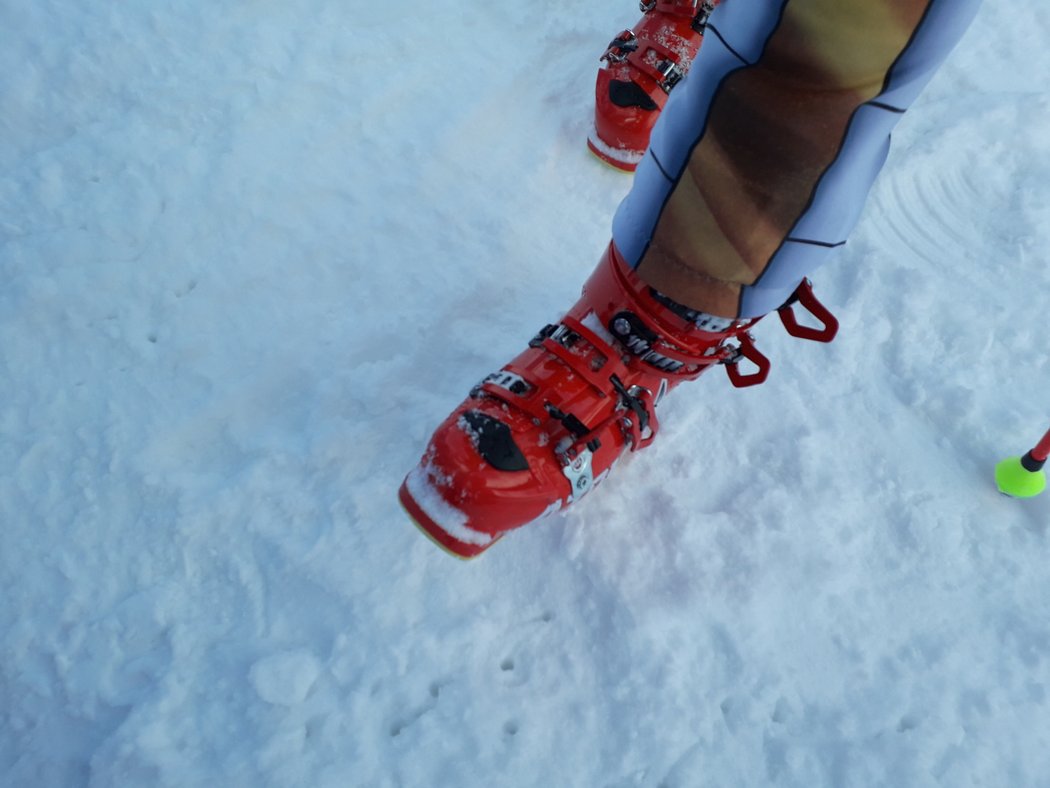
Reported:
(620, 47)
(672, 74)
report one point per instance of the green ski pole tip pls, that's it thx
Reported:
(1015, 480)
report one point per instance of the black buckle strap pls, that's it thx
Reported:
(702, 16)
(575, 427)
(631, 401)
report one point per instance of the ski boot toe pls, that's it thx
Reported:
(475, 483)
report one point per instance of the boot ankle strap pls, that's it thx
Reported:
(672, 318)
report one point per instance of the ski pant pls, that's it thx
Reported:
(761, 161)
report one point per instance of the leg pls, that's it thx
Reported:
(763, 157)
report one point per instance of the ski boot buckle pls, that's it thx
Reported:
(805, 296)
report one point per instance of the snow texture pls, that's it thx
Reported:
(253, 253)
(450, 519)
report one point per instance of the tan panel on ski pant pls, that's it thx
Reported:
(774, 128)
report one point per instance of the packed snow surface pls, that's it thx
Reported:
(252, 253)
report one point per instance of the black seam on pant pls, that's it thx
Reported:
(826, 244)
(725, 43)
(887, 107)
(911, 40)
(658, 163)
(842, 144)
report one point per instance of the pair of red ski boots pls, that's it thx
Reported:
(639, 69)
(547, 428)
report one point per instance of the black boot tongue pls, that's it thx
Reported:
(624, 93)
(494, 443)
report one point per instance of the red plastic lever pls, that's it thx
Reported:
(804, 295)
(748, 350)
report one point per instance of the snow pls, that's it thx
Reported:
(254, 253)
(450, 519)
(285, 679)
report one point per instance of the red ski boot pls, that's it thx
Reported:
(640, 68)
(543, 431)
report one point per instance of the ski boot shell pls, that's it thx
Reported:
(547, 428)
(639, 69)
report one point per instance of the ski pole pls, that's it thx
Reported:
(1023, 477)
